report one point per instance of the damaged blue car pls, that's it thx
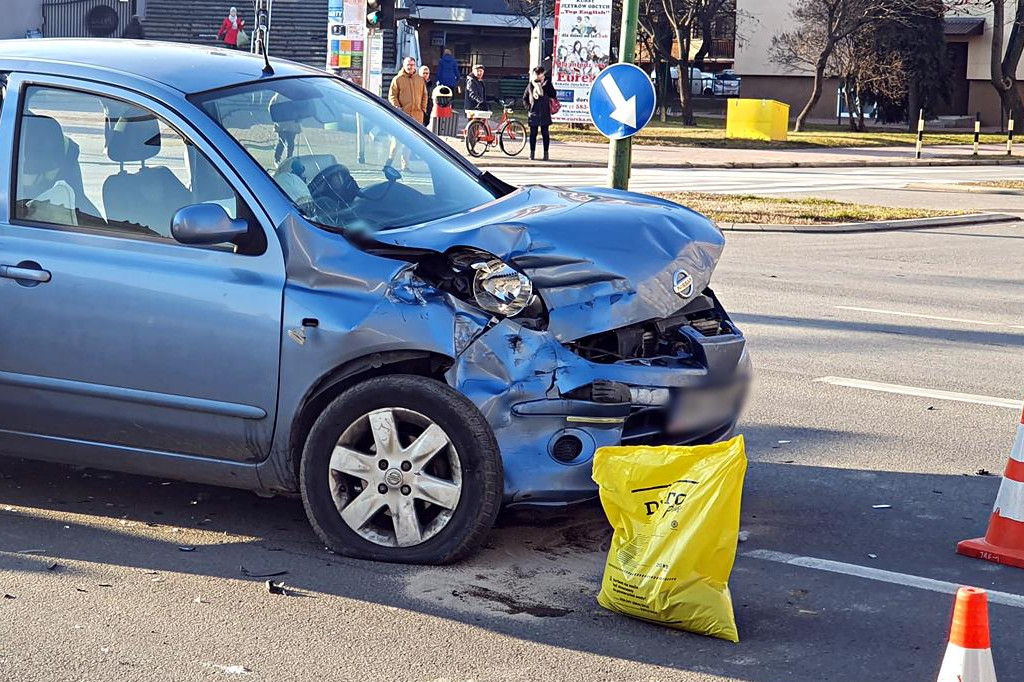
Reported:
(252, 274)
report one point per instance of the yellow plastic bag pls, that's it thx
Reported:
(676, 516)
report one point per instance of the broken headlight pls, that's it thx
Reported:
(499, 288)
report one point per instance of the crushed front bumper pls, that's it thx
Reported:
(682, 380)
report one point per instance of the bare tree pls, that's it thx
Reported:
(655, 36)
(821, 26)
(683, 16)
(1006, 54)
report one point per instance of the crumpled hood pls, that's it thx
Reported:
(601, 259)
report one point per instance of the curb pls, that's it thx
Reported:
(879, 226)
(963, 189)
(514, 162)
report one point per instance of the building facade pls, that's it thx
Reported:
(968, 42)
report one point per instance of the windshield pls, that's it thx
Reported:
(344, 160)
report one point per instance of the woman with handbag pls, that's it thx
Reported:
(232, 30)
(541, 102)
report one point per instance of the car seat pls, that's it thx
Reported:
(48, 157)
(147, 199)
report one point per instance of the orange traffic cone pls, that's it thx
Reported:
(969, 653)
(1004, 541)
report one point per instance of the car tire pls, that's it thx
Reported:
(406, 511)
(708, 92)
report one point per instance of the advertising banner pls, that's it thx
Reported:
(346, 38)
(583, 36)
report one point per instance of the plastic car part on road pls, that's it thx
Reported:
(676, 515)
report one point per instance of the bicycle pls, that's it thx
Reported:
(510, 133)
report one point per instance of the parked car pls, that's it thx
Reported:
(705, 83)
(268, 278)
(727, 83)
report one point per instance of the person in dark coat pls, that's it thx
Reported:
(538, 103)
(476, 94)
(134, 30)
(448, 70)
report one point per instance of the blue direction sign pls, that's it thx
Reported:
(622, 101)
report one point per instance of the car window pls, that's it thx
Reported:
(344, 160)
(96, 163)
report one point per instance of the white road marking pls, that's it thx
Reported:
(922, 392)
(905, 579)
(920, 316)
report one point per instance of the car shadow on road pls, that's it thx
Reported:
(537, 577)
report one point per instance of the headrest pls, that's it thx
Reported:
(42, 144)
(132, 136)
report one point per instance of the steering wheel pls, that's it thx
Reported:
(391, 176)
(333, 191)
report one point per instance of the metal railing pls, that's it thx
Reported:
(67, 18)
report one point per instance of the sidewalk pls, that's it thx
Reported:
(590, 154)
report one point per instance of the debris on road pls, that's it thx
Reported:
(231, 669)
(872, 556)
(513, 606)
(881, 506)
(9, 596)
(31, 551)
(53, 567)
(186, 548)
(983, 472)
(261, 574)
(744, 535)
(274, 587)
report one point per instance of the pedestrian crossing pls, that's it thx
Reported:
(757, 181)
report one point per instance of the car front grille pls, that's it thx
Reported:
(657, 338)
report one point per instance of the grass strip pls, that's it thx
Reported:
(761, 210)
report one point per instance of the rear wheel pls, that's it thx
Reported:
(476, 138)
(402, 468)
(513, 138)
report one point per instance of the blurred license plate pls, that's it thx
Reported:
(696, 409)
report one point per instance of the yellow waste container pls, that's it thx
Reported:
(757, 119)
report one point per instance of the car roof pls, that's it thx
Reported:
(187, 68)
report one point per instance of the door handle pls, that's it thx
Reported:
(25, 271)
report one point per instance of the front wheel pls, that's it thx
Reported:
(402, 468)
(476, 138)
(513, 138)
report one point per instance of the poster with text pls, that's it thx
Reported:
(583, 36)
(346, 36)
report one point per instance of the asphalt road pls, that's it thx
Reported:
(753, 181)
(102, 591)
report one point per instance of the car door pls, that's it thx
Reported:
(116, 341)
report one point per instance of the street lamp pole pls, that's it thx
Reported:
(619, 150)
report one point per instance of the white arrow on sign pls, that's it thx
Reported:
(625, 109)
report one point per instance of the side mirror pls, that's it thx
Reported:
(205, 224)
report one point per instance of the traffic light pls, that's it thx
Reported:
(373, 14)
(387, 13)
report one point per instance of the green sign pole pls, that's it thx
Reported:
(619, 150)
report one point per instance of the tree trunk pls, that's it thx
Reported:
(661, 68)
(851, 103)
(1004, 66)
(685, 87)
(819, 77)
(812, 101)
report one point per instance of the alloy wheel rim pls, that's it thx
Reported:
(395, 477)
